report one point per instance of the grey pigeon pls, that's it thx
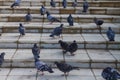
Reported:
(72, 48)
(98, 22)
(42, 10)
(41, 66)
(64, 67)
(57, 31)
(64, 45)
(110, 34)
(16, 3)
(36, 51)
(51, 18)
(70, 20)
(2, 58)
(85, 6)
(28, 17)
(110, 73)
(74, 4)
(21, 29)
(52, 3)
(64, 3)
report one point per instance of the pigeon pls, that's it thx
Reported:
(42, 10)
(2, 58)
(52, 3)
(28, 17)
(72, 48)
(36, 51)
(70, 20)
(64, 67)
(63, 45)
(41, 66)
(110, 73)
(51, 18)
(57, 31)
(110, 34)
(64, 3)
(98, 23)
(74, 4)
(85, 6)
(21, 29)
(16, 3)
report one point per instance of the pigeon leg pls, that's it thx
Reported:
(99, 27)
(67, 73)
(42, 73)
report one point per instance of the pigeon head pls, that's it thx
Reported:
(35, 45)
(50, 70)
(47, 13)
(3, 53)
(109, 28)
(95, 19)
(28, 13)
(42, 6)
(20, 24)
(56, 62)
(74, 41)
(61, 25)
(59, 41)
(75, 0)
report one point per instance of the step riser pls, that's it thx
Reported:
(30, 64)
(63, 11)
(49, 30)
(62, 19)
(58, 3)
(82, 45)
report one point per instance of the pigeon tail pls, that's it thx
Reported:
(51, 35)
(76, 68)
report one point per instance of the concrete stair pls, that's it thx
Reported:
(84, 58)
(61, 10)
(30, 74)
(95, 51)
(85, 41)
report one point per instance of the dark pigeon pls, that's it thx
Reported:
(85, 6)
(16, 3)
(41, 66)
(66, 68)
(51, 18)
(72, 48)
(110, 34)
(57, 31)
(63, 45)
(28, 17)
(2, 58)
(36, 51)
(52, 3)
(110, 73)
(64, 3)
(98, 23)
(70, 20)
(21, 29)
(42, 10)
(74, 4)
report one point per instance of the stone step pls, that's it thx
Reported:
(35, 27)
(30, 74)
(84, 58)
(85, 41)
(60, 10)
(77, 18)
(100, 3)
